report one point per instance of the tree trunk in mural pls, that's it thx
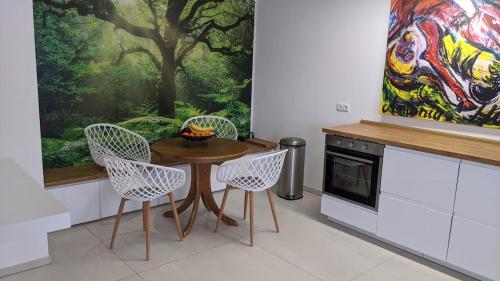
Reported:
(166, 87)
(179, 37)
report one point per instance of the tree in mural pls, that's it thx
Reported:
(177, 27)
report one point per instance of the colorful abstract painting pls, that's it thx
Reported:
(442, 61)
(146, 65)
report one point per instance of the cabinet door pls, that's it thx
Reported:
(478, 193)
(82, 200)
(110, 201)
(413, 226)
(348, 213)
(422, 177)
(181, 193)
(475, 247)
(214, 183)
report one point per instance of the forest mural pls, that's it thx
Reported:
(146, 65)
(442, 61)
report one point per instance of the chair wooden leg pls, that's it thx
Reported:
(146, 211)
(273, 209)
(143, 216)
(245, 207)
(221, 211)
(251, 218)
(117, 222)
(176, 216)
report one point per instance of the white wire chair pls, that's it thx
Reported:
(252, 173)
(223, 127)
(139, 181)
(108, 139)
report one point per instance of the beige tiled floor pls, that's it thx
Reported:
(308, 247)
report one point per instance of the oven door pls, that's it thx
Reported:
(352, 176)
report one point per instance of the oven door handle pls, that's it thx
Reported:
(351, 157)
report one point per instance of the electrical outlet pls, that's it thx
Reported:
(343, 107)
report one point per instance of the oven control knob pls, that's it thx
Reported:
(339, 141)
(364, 147)
(351, 144)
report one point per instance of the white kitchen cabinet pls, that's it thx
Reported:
(422, 177)
(475, 247)
(182, 192)
(110, 201)
(82, 200)
(179, 194)
(348, 213)
(478, 193)
(414, 226)
(216, 185)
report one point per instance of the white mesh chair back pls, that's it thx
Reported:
(108, 139)
(253, 173)
(223, 127)
(141, 181)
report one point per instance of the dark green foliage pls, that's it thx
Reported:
(232, 108)
(153, 128)
(61, 153)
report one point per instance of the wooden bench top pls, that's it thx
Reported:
(70, 175)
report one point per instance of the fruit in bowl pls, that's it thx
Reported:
(197, 133)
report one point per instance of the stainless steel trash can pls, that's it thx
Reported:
(291, 181)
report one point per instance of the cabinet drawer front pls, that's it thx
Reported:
(110, 201)
(413, 226)
(345, 212)
(478, 193)
(82, 200)
(181, 193)
(422, 177)
(475, 247)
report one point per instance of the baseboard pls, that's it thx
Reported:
(24, 266)
(313, 190)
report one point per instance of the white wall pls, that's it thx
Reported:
(309, 55)
(19, 119)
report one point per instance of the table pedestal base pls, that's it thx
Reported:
(200, 190)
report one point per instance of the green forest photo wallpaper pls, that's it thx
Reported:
(146, 65)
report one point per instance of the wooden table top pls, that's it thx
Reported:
(452, 145)
(217, 150)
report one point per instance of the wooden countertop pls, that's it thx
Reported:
(457, 146)
(70, 175)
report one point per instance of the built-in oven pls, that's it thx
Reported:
(352, 170)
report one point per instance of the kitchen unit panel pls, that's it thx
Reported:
(475, 247)
(110, 201)
(82, 200)
(348, 213)
(182, 192)
(478, 193)
(414, 226)
(422, 177)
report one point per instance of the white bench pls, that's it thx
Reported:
(27, 214)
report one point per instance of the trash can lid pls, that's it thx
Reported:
(292, 141)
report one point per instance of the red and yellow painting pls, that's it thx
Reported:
(442, 61)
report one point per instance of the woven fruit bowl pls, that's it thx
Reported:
(196, 138)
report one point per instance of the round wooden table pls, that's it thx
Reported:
(201, 159)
